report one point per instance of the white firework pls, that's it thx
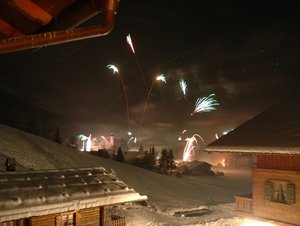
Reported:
(205, 104)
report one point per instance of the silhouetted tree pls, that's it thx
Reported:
(166, 162)
(171, 163)
(149, 159)
(163, 161)
(119, 157)
(141, 148)
(57, 137)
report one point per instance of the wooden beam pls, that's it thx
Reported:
(6, 30)
(32, 11)
(16, 19)
(54, 7)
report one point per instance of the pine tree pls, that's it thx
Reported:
(163, 161)
(57, 137)
(171, 162)
(119, 157)
(141, 149)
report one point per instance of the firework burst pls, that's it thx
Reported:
(183, 86)
(205, 104)
(191, 143)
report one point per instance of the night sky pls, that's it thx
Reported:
(247, 54)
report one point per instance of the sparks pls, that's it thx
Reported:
(132, 138)
(223, 162)
(216, 135)
(189, 147)
(183, 131)
(116, 70)
(183, 86)
(161, 78)
(89, 144)
(205, 104)
(129, 41)
(113, 68)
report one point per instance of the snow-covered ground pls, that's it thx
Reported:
(213, 195)
(167, 194)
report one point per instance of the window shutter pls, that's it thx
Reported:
(268, 190)
(290, 193)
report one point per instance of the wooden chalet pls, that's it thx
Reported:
(62, 197)
(196, 168)
(273, 137)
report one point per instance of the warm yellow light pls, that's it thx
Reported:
(223, 162)
(248, 222)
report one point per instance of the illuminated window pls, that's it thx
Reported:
(68, 220)
(279, 191)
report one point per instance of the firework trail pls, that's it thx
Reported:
(183, 86)
(129, 41)
(130, 134)
(183, 131)
(189, 147)
(116, 71)
(158, 78)
(216, 135)
(205, 104)
(132, 138)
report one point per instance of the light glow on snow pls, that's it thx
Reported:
(249, 222)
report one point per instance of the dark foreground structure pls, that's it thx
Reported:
(62, 197)
(273, 137)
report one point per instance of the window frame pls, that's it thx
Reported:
(279, 191)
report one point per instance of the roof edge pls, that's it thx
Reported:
(254, 150)
(70, 206)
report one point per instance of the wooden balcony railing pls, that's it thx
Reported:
(244, 204)
(115, 221)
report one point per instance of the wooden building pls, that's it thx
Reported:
(273, 137)
(196, 168)
(62, 197)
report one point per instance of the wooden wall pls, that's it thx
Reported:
(279, 162)
(287, 213)
(86, 217)
(47, 220)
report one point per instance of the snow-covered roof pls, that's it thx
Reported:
(34, 193)
(193, 164)
(275, 131)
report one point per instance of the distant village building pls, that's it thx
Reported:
(62, 197)
(274, 138)
(195, 168)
